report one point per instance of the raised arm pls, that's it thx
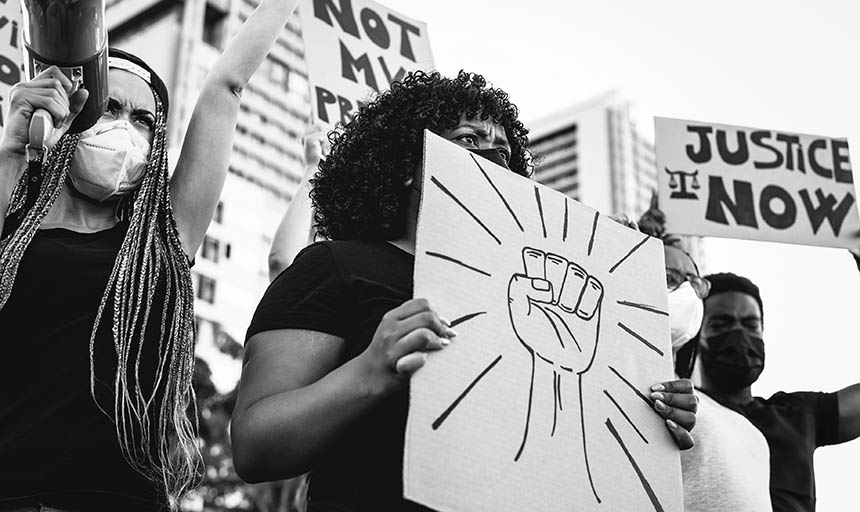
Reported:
(202, 166)
(849, 413)
(296, 230)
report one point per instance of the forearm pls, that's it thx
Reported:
(11, 169)
(295, 231)
(249, 47)
(202, 166)
(282, 435)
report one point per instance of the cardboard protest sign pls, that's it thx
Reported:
(737, 182)
(11, 56)
(354, 48)
(540, 402)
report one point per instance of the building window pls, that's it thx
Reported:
(214, 24)
(219, 213)
(279, 73)
(206, 289)
(210, 249)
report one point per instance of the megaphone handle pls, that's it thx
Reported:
(41, 128)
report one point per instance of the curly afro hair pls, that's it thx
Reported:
(359, 191)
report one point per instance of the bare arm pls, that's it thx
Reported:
(295, 231)
(202, 166)
(291, 380)
(49, 90)
(849, 413)
(11, 169)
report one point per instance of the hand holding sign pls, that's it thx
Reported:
(555, 310)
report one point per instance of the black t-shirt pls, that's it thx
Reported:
(794, 424)
(55, 443)
(343, 288)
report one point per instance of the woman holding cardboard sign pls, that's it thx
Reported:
(337, 335)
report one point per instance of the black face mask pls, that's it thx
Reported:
(733, 360)
(497, 156)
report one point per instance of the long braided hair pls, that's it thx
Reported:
(149, 291)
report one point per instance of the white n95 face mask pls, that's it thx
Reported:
(685, 314)
(110, 160)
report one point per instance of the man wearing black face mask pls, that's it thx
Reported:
(732, 354)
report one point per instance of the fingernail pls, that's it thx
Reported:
(658, 396)
(540, 284)
(660, 405)
(672, 425)
(658, 387)
(451, 333)
(444, 341)
(445, 321)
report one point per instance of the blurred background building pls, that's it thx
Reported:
(593, 152)
(181, 40)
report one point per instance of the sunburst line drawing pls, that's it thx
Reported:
(554, 308)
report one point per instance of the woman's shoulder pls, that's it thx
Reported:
(353, 255)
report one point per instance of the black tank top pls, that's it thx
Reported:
(55, 443)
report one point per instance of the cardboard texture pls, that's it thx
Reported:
(496, 419)
(355, 48)
(738, 182)
(11, 54)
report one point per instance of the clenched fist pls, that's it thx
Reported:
(555, 310)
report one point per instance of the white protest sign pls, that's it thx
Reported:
(11, 56)
(737, 182)
(540, 402)
(354, 48)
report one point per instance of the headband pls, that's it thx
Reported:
(119, 59)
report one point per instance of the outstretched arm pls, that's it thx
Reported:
(849, 413)
(202, 166)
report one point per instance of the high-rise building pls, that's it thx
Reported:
(181, 40)
(594, 153)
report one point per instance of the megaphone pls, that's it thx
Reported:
(69, 34)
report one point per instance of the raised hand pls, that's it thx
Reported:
(554, 308)
(316, 145)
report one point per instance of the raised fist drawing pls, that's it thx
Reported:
(555, 310)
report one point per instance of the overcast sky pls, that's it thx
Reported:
(784, 65)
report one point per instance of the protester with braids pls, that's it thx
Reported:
(337, 335)
(95, 290)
